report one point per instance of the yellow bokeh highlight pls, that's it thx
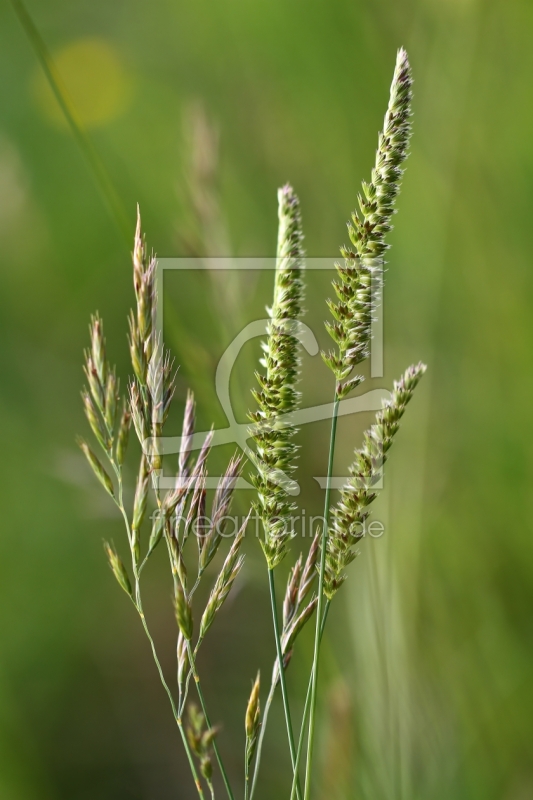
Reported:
(93, 76)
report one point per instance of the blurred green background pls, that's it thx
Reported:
(427, 688)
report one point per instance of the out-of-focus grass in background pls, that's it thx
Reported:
(430, 694)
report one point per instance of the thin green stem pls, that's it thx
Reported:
(314, 673)
(246, 773)
(188, 679)
(266, 710)
(137, 602)
(208, 721)
(282, 680)
(86, 146)
(306, 708)
(177, 717)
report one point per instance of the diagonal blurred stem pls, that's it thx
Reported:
(282, 680)
(86, 146)
(318, 636)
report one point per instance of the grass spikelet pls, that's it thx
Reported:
(252, 723)
(118, 568)
(219, 512)
(183, 611)
(97, 467)
(230, 569)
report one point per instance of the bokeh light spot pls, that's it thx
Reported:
(95, 80)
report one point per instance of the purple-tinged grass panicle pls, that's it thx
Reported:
(296, 611)
(219, 513)
(226, 577)
(123, 435)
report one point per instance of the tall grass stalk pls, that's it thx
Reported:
(181, 516)
(358, 292)
(275, 450)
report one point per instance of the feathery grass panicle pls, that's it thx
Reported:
(351, 511)
(219, 513)
(226, 577)
(275, 449)
(359, 280)
(152, 390)
(150, 394)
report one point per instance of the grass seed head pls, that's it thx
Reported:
(351, 511)
(186, 434)
(252, 722)
(230, 569)
(358, 285)
(118, 568)
(183, 612)
(97, 468)
(123, 436)
(275, 448)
